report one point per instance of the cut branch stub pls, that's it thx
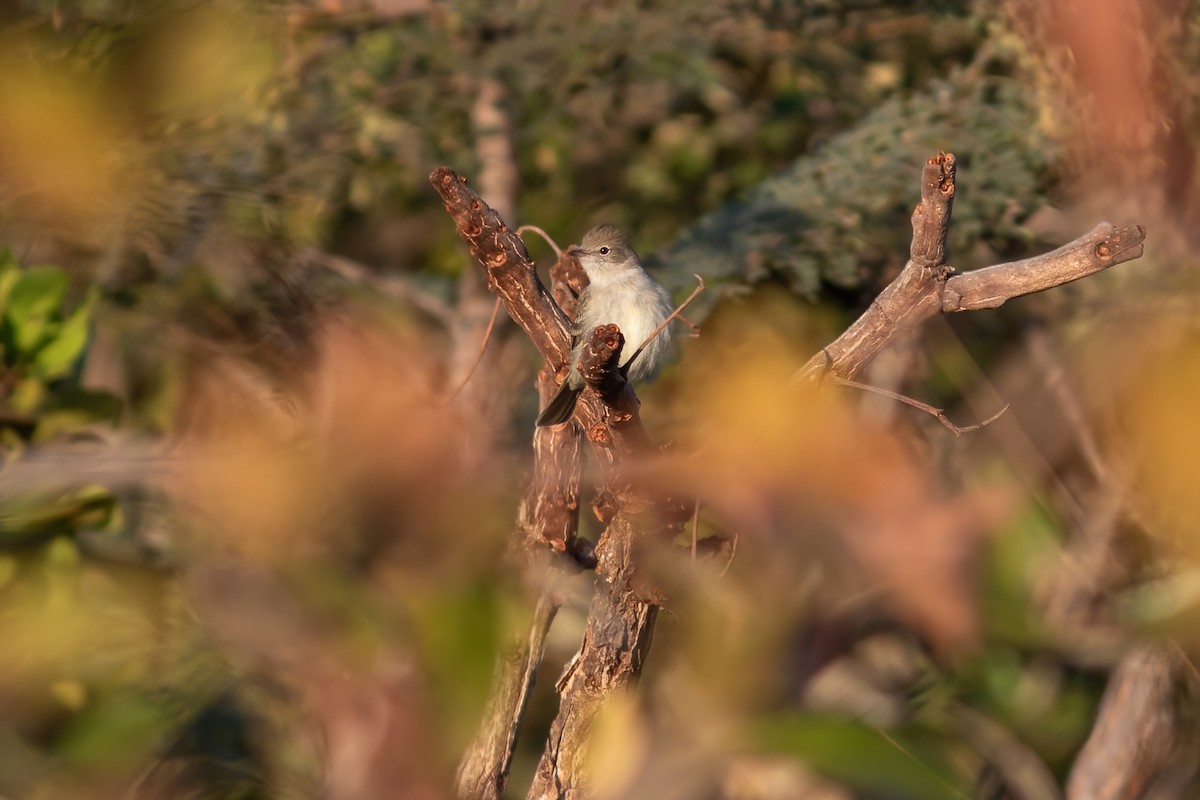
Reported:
(567, 282)
(931, 217)
(599, 365)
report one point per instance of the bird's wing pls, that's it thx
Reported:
(577, 331)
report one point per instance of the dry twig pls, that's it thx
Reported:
(487, 335)
(937, 413)
(535, 229)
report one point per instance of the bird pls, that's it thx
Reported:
(621, 293)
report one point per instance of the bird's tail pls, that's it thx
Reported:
(561, 406)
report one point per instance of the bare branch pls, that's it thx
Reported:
(620, 623)
(483, 772)
(927, 286)
(510, 272)
(546, 529)
(1100, 248)
(694, 326)
(615, 645)
(1023, 773)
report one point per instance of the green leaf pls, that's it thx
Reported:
(10, 272)
(116, 733)
(55, 359)
(862, 757)
(35, 512)
(27, 395)
(32, 513)
(71, 411)
(33, 304)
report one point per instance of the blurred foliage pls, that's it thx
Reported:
(839, 218)
(43, 399)
(43, 347)
(276, 565)
(322, 126)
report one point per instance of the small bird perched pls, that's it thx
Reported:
(619, 292)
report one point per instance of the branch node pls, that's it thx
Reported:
(598, 434)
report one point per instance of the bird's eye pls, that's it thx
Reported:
(603, 251)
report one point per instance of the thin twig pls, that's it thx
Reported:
(1037, 342)
(665, 323)
(937, 413)
(732, 553)
(1184, 659)
(693, 325)
(487, 335)
(535, 229)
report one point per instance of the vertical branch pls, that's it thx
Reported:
(483, 771)
(615, 644)
(620, 622)
(548, 517)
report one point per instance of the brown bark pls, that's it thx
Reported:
(620, 622)
(1139, 733)
(483, 771)
(615, 644)
(548, 518)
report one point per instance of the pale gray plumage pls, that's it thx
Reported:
(619, 292)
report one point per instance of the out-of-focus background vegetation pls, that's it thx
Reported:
(252, 544)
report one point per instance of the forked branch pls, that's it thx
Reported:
(928, 285)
